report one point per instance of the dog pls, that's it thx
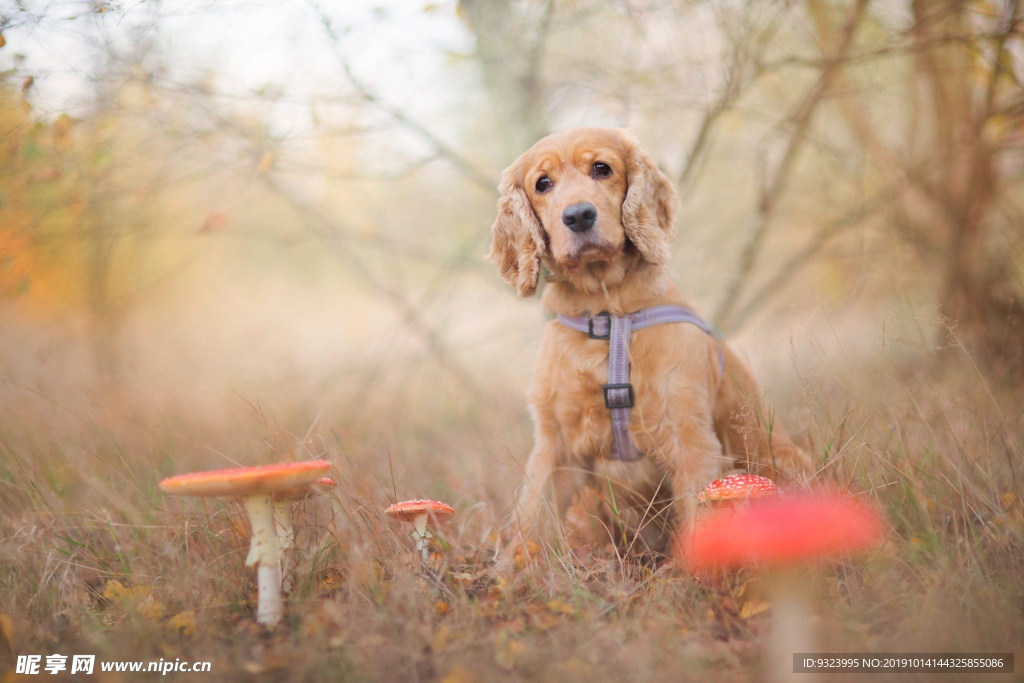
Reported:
(594, 208)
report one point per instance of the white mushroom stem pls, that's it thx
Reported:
(265, 551)
(791, 632)
(421, 535)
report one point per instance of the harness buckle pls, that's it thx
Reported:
(618, 401)
(590, 326)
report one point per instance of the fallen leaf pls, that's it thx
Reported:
(561, 607)
(543, 621)
(151, 608)
(115, 590)
(183, 624)
(331, 581)
(135, 595)
(524, 554)
(753, 607)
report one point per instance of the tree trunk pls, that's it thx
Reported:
(976, 297)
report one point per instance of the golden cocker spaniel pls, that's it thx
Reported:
(594, 207)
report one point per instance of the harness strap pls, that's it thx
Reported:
(618, 392)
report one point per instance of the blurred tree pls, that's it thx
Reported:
(39, 204)
(75, 224)
(511, 39)
(965, 81)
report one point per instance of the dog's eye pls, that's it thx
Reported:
(544, 184)
(601, 170)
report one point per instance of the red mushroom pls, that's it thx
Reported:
(256, 486)
(784, 531)
(781, 535)
(419, 513)
(727, 491)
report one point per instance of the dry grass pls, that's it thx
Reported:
(931, 442)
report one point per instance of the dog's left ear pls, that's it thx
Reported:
(649, 209)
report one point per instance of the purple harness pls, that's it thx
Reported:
(618, 392)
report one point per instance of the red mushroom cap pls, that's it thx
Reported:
(247, 481)
(407, 510)
(784, 531)
(738, 487)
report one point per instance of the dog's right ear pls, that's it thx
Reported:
(517, 243)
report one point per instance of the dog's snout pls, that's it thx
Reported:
(580, 217)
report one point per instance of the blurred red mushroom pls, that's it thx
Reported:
(782, 536)
(420, 513)
(784, 531)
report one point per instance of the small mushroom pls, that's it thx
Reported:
(782, 537)
(736, 488)
(420, 513)
(256, 487)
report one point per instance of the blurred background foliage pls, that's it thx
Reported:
(206, 196)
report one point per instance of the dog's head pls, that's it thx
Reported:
(580, 199)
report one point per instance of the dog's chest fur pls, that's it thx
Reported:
(669, 372)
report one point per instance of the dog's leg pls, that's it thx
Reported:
(545, 495)
(691, 460)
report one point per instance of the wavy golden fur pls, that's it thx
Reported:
(692, 421)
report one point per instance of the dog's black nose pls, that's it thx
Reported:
(580, 217)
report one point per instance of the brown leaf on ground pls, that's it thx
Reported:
(183, 624)
(330, 582)
(151, 608)
(753, 607)
(524, 554)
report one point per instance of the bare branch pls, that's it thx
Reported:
(784, 275)
(736, 83)
(412, 318)
(771, 195)
(440, 147)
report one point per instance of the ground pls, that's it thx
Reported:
(95, 560)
